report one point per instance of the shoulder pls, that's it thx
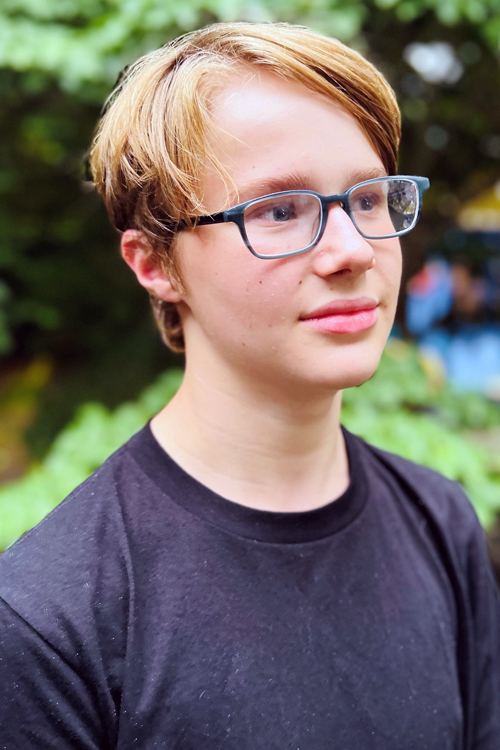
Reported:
(73, 522)
(415, 476)
(435, 500)
(443, 517)
(57, 573)
(65, 603)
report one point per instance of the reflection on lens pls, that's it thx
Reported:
(282, 224)
(384, 208)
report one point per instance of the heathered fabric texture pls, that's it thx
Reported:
(148, 612)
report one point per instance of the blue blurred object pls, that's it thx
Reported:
(430, 297)
(469, 351)
(471, 355)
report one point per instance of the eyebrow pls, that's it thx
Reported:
(360, 175)
(267, 185)
(298, 181)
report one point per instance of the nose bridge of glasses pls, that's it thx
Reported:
(340, 239)
(327, 201)
(342, 201)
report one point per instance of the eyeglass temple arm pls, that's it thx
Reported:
(196, 221)
(210, 219)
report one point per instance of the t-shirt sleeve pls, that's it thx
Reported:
(44, 703)
(478, 600)
(484, 600)
(449, 515)
(63, 625)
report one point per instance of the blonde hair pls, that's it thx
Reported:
(152, 141)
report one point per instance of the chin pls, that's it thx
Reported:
(352, 370)
(356, 382)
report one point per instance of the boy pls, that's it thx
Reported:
(244, 573)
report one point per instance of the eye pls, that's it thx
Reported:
(282, 212)
(273, 211)
(367, 202)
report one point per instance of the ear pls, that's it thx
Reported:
(138, 255)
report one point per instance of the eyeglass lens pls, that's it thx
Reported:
(287, 223)
(384, 208)
(283, 224)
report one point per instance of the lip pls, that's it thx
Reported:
(342, 306)
(344, 316)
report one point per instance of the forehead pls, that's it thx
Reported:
(266, 127)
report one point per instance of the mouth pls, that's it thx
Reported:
(344, 316)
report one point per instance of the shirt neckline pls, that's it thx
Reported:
(258, 525)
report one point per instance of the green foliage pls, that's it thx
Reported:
(79, 42)
(408, 381)
(449, 12)
(386, 411)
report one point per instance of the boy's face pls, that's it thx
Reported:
(250, 314)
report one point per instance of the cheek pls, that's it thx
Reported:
(253, 303)
(231, 293)
(390, 268)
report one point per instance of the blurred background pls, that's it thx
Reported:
(81, 364)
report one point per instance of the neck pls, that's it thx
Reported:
(256, 445)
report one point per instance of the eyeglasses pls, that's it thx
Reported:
(291, 222)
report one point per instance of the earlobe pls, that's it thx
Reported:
(138, 255)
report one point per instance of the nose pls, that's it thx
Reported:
(342, 250)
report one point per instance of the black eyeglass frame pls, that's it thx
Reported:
(236, 213)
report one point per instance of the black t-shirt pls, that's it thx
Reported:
(148, 612)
